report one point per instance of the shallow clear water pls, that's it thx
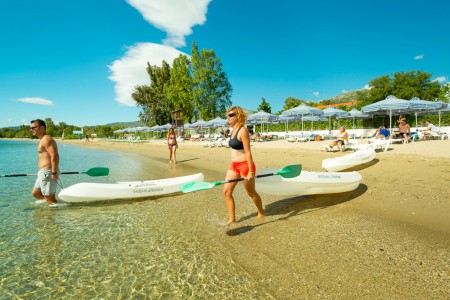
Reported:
(159, 248)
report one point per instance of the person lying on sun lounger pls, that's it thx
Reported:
(430, 128)
(341, 137)
(382, 132)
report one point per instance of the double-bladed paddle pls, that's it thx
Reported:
(99, 171)
(286, 172)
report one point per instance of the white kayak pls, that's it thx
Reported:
(308, 183)
(85, 191)
(340, 163)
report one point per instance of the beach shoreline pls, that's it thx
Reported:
(392, 234)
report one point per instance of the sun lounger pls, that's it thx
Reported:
(374, 144)
(344, 147)
(433, 135)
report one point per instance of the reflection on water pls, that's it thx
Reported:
(124, 251)
(160, 248)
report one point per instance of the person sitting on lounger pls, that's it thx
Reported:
(341, 137)
(404, 131)
(430, 128)
(382, 132)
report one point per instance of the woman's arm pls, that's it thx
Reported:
(245, 138)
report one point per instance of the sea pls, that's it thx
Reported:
(160, 248)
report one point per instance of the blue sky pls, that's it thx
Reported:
(77, 61)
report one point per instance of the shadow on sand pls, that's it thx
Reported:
(294, 206)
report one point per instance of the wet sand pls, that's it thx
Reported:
(388, 239)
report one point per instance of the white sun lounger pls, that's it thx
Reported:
(375, 144)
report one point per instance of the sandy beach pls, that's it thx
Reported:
(388, 239)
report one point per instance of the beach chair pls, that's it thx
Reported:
(382, 144)
(303, 139)
(352, 142)
(225, 143)
(433, 136)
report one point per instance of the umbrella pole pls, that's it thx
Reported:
(390, 120)
(302, 124)
(417, 127)
(439, 120)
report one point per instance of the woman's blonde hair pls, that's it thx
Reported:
(240, 114)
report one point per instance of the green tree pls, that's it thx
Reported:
(291, 103)
(52, 130)
(264, 106)
(153, 98)
(211, 89)
(404, 86)
(179, 91)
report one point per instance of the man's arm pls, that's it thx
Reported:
(52, 150)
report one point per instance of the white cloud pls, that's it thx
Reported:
(440, 79)
(367, 87)
(421, 56)
(175, 17)
(316, 94)
(130, 70)
(39, 101)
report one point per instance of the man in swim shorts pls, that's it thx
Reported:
(48, 164)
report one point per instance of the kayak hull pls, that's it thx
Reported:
(88, 192)
(348, 161)
(308, 183)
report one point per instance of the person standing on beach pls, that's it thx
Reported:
(241, 165)
(172, 144)
(48, 164)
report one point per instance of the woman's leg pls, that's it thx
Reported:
(251, 191)
(174, 153)
(228, 189)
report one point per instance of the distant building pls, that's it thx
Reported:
(336, 105)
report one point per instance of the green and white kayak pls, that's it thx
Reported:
(308, 183)
(87, 192)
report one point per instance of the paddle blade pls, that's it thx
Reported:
(100, 171)
(198, 186)
(290, 171)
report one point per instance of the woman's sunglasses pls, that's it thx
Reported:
(231, 115)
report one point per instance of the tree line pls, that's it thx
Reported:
(198, 87)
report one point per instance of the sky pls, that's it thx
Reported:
(78, 61)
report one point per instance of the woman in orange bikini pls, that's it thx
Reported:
(172, 144)
(242, 164)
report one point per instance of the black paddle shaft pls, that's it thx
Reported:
(243, 178)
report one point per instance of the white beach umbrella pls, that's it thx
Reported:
(444, 108)
(355, 114)
(417, 105)
(331, 111)
(315, 118)
(262, 117)
(388, 106)
(286, 119)
(303, 110)
(216, 122)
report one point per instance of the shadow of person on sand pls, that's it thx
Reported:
(294, 206)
